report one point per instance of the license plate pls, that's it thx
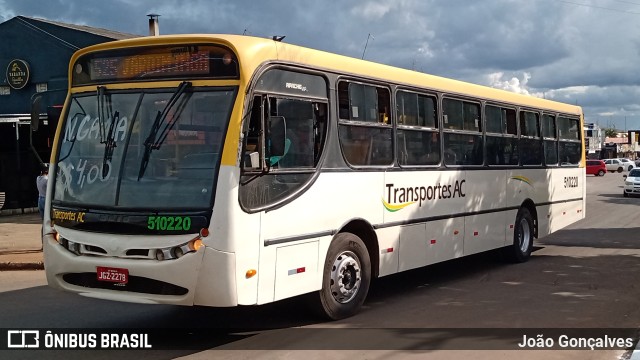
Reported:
(110, 274)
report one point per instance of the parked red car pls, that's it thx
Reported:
(596, 167)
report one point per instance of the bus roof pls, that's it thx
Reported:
(254, 51)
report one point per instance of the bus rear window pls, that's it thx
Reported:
(155, 63)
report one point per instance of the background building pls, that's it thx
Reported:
(593, 140)
(35, 56)
(615, 147)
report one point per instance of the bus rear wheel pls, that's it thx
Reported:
(346, 278)
(520, 250)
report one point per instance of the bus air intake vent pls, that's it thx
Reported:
(138, 252)
(136, 284)
(94, 249)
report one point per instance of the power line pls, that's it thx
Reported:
(37, 28)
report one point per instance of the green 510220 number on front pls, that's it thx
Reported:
(169, 223)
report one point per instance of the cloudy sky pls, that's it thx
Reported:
(584, 52)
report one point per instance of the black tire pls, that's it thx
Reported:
(520, 250)
(601, 172)
(624, 193)
(620, 169)
(346, 278)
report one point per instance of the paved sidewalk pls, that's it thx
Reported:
(20, 242)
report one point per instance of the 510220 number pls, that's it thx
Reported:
(570, 181)
(169, 223)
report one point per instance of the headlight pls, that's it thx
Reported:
(628, 183)
(177, 252)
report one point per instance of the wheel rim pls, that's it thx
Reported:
(524, 235)
(345, 277)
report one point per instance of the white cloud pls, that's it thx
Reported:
(5, 12)
(372, 10)
(514, 84)
(576, 54)
(568, 94)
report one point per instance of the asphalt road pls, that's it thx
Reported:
(582, 277)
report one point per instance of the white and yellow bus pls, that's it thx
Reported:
(225, 170)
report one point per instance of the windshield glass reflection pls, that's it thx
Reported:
(117, 152)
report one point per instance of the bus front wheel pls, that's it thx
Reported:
(346, 277)
(520, 250)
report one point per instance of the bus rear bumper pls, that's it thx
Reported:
(205, 277)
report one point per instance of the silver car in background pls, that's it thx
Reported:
(619, 165)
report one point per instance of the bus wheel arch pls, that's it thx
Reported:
(524, 233)
(347, 272)
(362, 229)
(529, 205)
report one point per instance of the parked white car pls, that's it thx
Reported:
(631, 183)
(614, 165)
(619, 164)
(628, 163)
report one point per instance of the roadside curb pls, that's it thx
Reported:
(19, 211)
(10, 266)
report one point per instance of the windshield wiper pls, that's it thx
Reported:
(151, 143)
(106, 135)
(100, 95)
(109, 144)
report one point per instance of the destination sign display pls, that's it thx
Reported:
(145, 65)
(155, 63)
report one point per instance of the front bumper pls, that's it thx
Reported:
(204, 277)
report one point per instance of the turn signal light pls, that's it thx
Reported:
(251, 273)
(196, 244)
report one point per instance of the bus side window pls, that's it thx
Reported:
(365, 134)
(299, 135)
(462, 148)
(343, 100)
(417, 135)
(253, 133)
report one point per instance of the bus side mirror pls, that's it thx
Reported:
(624, 176)
(35, 113)
(277, 135)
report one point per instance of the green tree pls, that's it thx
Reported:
(610, 132)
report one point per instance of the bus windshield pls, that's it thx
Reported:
(142, 150)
